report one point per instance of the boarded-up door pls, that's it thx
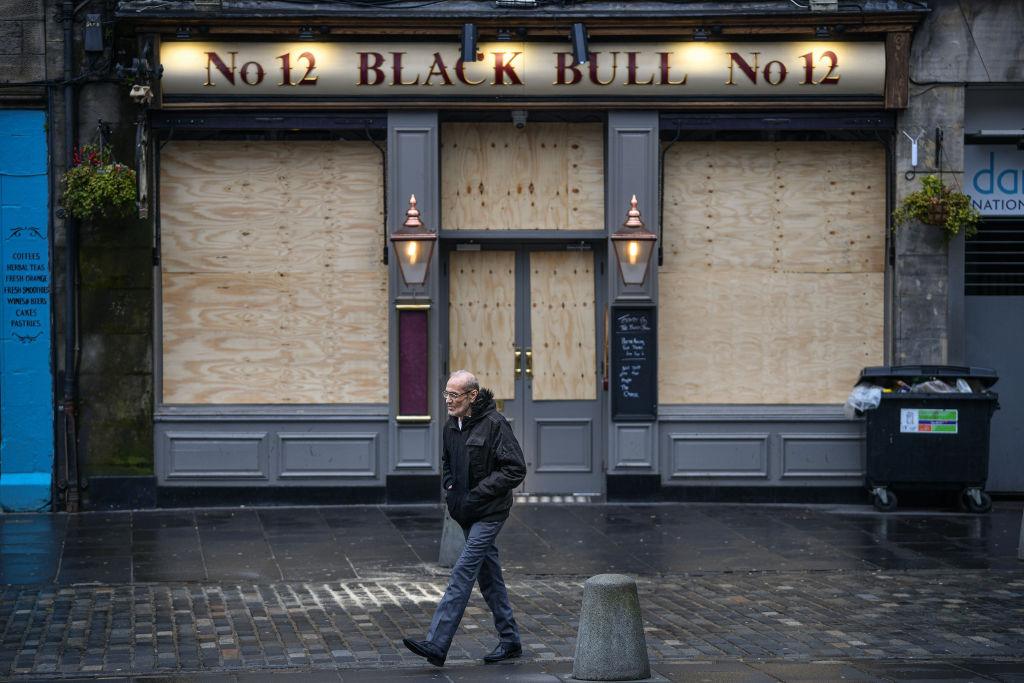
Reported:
(524, 320)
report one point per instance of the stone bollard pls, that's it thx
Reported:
(610, 645)
(1020, 543)
(452, 541)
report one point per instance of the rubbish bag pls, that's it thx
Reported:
(863, 397)
(934, 386)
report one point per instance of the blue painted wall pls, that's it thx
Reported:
(26, 375)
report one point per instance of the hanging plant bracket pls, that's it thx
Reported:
(939, 205)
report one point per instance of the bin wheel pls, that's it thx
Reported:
(887, 503)
(971, 505)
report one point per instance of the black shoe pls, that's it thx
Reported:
(424, 648)
(503, 651)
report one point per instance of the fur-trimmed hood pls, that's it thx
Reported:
(482, 405)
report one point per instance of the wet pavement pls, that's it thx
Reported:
(729, 592)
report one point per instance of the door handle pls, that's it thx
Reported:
(518, 364)
(529, 363)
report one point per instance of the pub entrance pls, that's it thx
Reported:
(528, 320)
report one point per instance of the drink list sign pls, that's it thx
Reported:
(634, 376)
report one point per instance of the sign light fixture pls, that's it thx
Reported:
(469, 40)
(580, 50)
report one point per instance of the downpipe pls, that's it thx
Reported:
(69, 478)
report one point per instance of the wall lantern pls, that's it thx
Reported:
(414, 245)
(633, 246)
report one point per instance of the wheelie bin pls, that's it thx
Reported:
(923, 440)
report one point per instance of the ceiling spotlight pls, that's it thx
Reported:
(183, 33)
(823, 32)
(701, 33)
(580, 51)
(306, 33)
(469, 36)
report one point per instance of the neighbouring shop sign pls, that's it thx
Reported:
(26, 373)
(994, 179)
(303, 70)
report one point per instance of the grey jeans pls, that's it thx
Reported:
(478, 562)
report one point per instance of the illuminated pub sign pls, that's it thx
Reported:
(516, 69)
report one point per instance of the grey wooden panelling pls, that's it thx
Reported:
(821, 455)
(413, 168)
(631, 163)
(415, 448)
(305, 455)
(209, 454)
(632, 168)
(760, 446)
(277, 451)
(564, 445)
(633, 447)
(737, 455)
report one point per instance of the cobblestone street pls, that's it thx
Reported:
(958, 603)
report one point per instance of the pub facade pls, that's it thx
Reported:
(660, 236)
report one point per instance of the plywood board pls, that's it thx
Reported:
(774, 254)
(273, 290)
(274, 338)
(562, 325)
(799, 207)
(482, 318)
(270, 206)
(546, 176)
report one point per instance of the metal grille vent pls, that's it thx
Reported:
(994, 260)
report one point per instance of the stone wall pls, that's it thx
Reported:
(116, 312)
(957, 45)
(22, 41)
(115, 259)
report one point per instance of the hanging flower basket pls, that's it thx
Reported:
(938, 205)
(96, 186)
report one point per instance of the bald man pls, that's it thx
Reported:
(482, 463)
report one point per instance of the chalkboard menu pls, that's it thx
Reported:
(634, 378)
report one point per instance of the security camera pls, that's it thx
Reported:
(141, 94)
(519, 118)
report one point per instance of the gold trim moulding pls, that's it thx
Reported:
(869, 102)
(412, 418)
(412, 307)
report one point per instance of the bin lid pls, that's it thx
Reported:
(985, 376)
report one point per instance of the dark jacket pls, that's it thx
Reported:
(481, 463)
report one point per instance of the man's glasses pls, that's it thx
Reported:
(451, 395)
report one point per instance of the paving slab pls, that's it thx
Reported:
(728, 592)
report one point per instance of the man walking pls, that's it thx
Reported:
(481, 464)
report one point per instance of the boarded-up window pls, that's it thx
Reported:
(546, 176)
(273, 290)
(772, 289)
